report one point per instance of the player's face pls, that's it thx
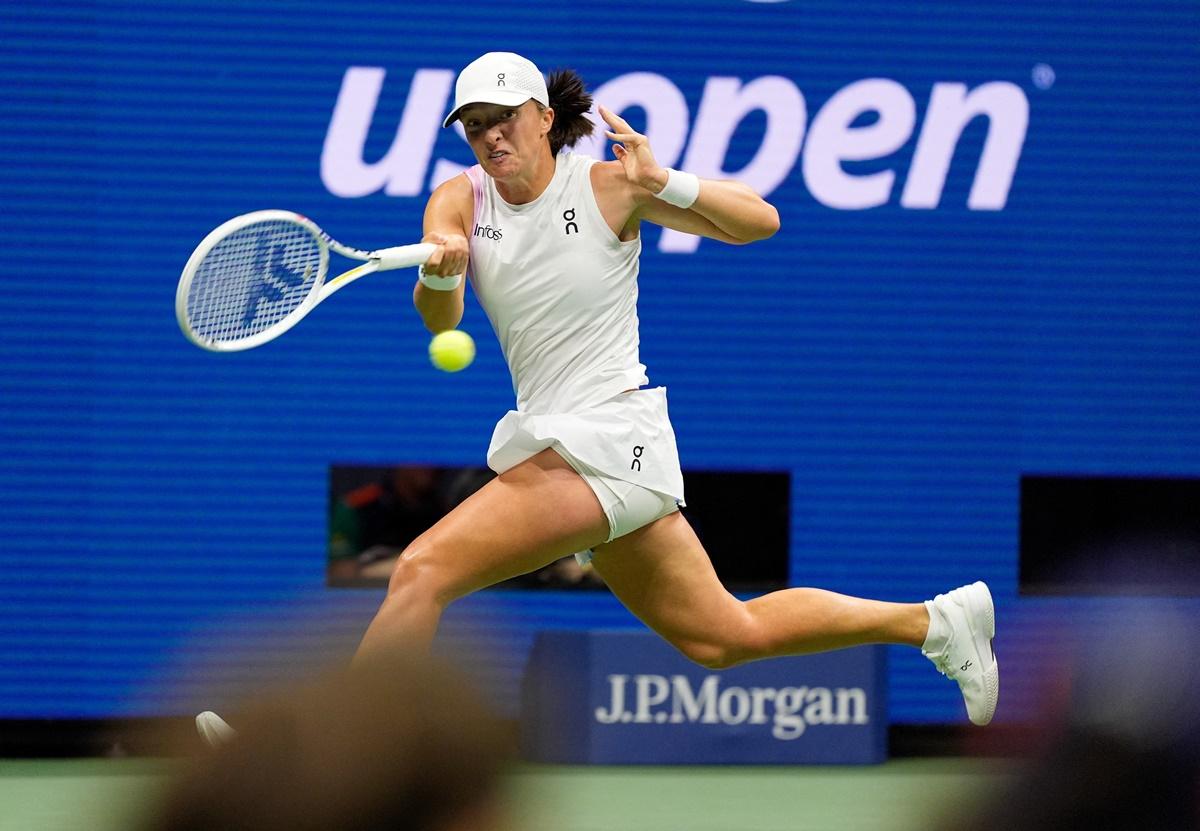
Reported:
(506, 140)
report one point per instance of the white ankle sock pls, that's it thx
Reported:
(938, 636)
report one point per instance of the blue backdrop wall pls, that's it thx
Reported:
(987, 267)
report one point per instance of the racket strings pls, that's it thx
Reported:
(253, 279)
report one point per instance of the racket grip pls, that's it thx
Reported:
(403, 256)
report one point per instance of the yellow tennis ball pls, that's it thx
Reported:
(452, 350)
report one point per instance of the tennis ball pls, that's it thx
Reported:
(452, 350)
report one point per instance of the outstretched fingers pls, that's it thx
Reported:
(621, 131)
(632, 150)
(615, 121)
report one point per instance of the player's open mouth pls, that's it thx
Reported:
(499, 154)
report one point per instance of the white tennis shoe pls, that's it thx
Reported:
(960, 646)
(214, 730)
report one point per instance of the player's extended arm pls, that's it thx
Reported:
(447, 215)
(725, 210)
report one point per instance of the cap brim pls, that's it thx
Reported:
(489, 96)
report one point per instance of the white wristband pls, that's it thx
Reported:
(437, 283)
(681, 190)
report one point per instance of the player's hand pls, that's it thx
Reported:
(632, 150)
(450, 258)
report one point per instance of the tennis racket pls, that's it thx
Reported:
(259, 274)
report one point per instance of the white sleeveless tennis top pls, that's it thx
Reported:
(560, 290)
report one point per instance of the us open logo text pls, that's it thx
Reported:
(833, 135)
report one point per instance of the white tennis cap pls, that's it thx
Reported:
(498, 78)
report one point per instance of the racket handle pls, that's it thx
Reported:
(403, 256)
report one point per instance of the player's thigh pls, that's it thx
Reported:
(663, 575)
(526, 517)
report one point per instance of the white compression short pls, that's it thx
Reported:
(624, 448)
(627, 506)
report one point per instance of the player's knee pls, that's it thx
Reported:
(730, 646)
(708, 655)
(419, 571)
(406, 573)
(714, 653)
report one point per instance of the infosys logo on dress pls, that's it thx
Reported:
(821, 144)
(659, 699)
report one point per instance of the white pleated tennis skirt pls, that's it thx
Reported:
(627, 439)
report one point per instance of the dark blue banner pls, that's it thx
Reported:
(986, 269)
(606, 697)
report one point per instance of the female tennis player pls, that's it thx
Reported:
(587, 461)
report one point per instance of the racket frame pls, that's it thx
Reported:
(384, 259)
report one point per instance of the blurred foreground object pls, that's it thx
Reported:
(406, 745)
(1126, 754)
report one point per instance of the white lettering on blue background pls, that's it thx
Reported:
(821, 148)
(660, 699)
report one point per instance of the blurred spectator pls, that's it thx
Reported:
(402, 746)
(1127, 754)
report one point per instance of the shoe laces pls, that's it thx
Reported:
(942, 663)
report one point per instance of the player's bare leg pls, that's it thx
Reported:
(663, 575)
(527, 517)
(535, 513)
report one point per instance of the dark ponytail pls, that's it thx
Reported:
(570, 101)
